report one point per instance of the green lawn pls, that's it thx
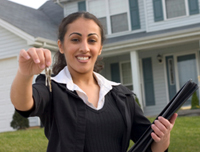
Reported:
(185, 137)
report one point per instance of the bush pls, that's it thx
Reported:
(19, 122)
(137, 100)
(194, 101)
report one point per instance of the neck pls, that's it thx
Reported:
(83, 78)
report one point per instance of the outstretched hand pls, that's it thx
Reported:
(161, 135)
(33, 61)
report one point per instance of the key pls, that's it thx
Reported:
(48, 78)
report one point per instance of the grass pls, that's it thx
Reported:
(31, 140)
(185, 137)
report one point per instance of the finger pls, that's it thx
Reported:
(40, 54)
(47, 55)
(24, 54)
(33, 54)
(173, 118)
(157, 131)
(155, 137)
(165, 122)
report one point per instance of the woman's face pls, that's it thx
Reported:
(81, 45)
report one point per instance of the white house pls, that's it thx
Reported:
(152, 46)
(21, 28)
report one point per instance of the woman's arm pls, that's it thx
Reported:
(31, 62)
(161, 134)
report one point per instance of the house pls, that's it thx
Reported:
(23, 27)
(152, 46)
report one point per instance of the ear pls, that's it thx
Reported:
(100, 50)
(60, 47)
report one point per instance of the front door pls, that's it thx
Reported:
(187, 70)
(171, 76)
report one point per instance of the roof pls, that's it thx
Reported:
(42, 22)
(135, 36)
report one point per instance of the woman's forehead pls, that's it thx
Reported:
(84, 26)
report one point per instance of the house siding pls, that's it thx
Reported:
(10, 44)
(106, 9)
(159, 86)
(99, 11)
(70, 8)
(170, 23)
(159, 74)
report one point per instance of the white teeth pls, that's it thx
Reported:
(83, 58)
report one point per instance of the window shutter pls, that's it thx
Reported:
(148, 81)
(158, 10)
(193, 7)
(115, 73)
(134, 13)
(81, 6)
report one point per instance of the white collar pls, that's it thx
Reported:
(64, 77)
(105, 85)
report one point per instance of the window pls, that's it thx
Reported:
(81, 6)
(104, 24)
(167, 9)
(116, 15)
(126, 75)
(119, 23)
(171, 71)
(175, 8)
(121, 72)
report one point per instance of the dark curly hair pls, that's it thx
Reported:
(59, 58)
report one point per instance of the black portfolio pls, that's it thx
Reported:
(179, 99)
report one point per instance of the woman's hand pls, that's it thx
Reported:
(33, 61)
(161, 134)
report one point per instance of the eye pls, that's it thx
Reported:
(75, 40)
(92, 41)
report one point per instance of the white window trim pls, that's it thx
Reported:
(121, 75)
(165, 13)
(108, 20)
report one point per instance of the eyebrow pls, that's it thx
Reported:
(81, 34)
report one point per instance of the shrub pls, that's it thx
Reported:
(137, 100)
(19, 122)
(194, 101)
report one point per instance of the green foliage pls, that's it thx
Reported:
(137, 100)
(194, 101)
(19, 122)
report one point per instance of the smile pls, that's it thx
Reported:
(82, 58)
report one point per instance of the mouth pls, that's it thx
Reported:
(83, 58)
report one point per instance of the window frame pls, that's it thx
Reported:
(108, 19)
(121, 75)
(165, 13)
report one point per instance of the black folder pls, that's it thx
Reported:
(179, 99)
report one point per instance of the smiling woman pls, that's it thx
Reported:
(84, 112)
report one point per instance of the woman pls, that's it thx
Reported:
(84, 111)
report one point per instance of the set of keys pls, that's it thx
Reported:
(48, 78)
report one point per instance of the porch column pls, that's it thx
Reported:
(136, 77)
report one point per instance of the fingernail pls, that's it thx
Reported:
(48, 63)
(42, 66)
(27, 57)
(37, 61)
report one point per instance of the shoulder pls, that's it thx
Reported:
(122, 90)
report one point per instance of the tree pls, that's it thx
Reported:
(194, 101)
(19, 122)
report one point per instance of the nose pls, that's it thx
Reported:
(84, 47)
